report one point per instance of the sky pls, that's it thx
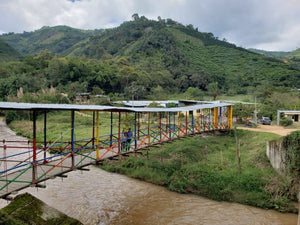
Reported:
(272, 25)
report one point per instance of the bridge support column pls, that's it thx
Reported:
(34, 163)
(119, 134)
(149, 138)
(111, 129)
(193, 128)
(229, 117)
(159, 127)
(72, 138)
(178, 124)
(138, 125)
(170, 131)
(167, 122)
(186, 122)
(45, 137)
(93, 138)
(174, 125)
(135, 130)
(97, 134)
(216, 117)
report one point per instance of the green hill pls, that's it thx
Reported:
(144, 58)
(55, 39)
(7, 53)
(189, 57)
(295, 53)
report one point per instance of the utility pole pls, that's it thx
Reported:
(255, 112)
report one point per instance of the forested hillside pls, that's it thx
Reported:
(7, 53)
(140, 59)
(295, 53)
(55, 39)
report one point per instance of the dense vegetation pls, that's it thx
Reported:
(142, 59)
(292, 158)
(207, 165)
(7, 53)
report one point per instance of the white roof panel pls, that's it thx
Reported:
(35, 106)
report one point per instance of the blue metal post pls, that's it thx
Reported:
(135, 141)
(174, 122)
(170, 135)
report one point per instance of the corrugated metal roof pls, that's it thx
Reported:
(136, 103)
(35, 106)
(289, 111)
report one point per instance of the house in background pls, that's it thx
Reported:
(291, 114)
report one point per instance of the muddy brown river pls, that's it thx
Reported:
(100, 197)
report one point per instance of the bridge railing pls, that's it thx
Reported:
(36, 161)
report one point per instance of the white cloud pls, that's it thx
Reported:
(266, 24)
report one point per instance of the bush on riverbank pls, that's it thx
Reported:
(206, 165)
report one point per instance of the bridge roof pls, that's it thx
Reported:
(36, 106)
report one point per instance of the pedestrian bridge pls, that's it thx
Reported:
(31, 162)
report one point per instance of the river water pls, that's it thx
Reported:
(100, 197)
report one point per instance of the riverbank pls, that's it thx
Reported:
(207, 165)
(26, 209)
(98, 196)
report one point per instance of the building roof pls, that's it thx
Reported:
(36, 106)
(289, 111)
(145, 103)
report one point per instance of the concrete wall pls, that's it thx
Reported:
(276, 154)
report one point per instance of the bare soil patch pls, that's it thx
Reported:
(270, 129)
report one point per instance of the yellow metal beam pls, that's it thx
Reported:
(216, 117)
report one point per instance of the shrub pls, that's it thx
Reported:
(286, 122)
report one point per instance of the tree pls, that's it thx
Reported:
(213, 89)
(126, 74)
(135, 90)
(135, 16)
(58, 71)
(194, 93)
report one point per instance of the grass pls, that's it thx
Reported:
(206, 165)
(203, 164)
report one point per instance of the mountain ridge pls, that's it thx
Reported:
(56, 39)
(153, 56)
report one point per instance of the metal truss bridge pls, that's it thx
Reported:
(25, 163)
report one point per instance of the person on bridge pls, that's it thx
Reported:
(129, 137)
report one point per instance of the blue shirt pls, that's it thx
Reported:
(129, 134)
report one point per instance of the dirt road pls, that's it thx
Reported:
(270, 129)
